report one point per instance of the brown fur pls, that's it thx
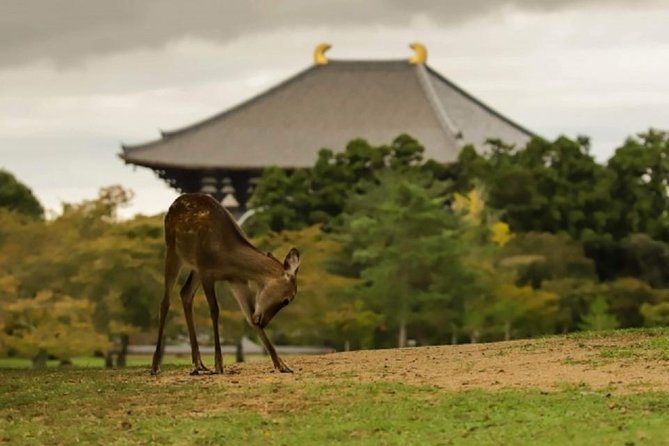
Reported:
(202, 236)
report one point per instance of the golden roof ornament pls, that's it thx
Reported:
(319, 54)
(420, 54)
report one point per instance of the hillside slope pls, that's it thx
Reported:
(630, 361)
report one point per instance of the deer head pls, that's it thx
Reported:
(278, 292)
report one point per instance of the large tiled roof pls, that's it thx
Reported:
(327, 106)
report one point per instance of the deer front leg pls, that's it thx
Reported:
(244, 297)
(278, 362)
(210, 292)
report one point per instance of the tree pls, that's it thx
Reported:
(550, 187)
(598, 317)
(48, 324)
(640, 186)
(279, 199)
(16, 196)
(625, 297)
(656, 315)
(505, 308)
(352, 323)
(318, 194)
(519, 311)
(645, 259)
(575, 296)
(404, 243)
(88, 255)
(538, 257)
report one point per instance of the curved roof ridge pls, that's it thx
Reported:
(477, 101)
(437, 106)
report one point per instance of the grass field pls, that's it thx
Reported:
(595, 390)
(132, 361)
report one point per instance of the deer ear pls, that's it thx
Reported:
(292, 262)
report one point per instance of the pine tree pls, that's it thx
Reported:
(598, 317)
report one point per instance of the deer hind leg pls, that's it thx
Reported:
(187, 294)
(172, 267)
(210, 292)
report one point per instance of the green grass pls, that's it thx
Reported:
(94, 406)
(618, 332)
(656, 348)
(132, 361)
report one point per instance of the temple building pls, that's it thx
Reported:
(326, 105)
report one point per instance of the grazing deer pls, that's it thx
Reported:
(203, 236)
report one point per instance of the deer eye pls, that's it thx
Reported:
(285, 302)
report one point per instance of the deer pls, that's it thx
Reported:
(202, 235)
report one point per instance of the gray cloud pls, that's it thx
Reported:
(66, 32)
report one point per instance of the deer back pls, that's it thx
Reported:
(203, 232)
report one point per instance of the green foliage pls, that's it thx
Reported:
(542, 256)
(598, 317)
(625, 297)
(16, 196)
(618, 211)
(62, 326)
(574, 298)
(403, 242)
(316, 195)
(517, 311)
(512, 242)
(351, 322)
(646, 259)
(559, 187)
(278, 198)
(641, 186)
(545, 187)
(656, 315)
(84, 260)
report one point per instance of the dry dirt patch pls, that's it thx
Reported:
(548, 364)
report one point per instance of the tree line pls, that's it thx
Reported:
(502, 243)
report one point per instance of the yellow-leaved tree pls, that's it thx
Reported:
(504, 309)
(50, 325)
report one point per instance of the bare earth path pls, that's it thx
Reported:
(627, 362)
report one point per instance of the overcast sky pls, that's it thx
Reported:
(78, 77)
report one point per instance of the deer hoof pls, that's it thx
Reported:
(200, 370)
(285, 369)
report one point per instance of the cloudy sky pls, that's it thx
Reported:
(78, 77)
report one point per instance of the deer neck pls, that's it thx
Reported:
(257, 266)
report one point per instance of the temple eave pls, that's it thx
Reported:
(193, 167)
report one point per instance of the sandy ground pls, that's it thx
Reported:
(622, 362)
